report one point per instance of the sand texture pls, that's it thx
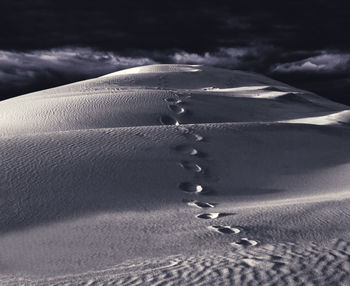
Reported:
(174, 175)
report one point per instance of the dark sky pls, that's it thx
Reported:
(45, 43)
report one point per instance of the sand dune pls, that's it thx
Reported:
(174, 174)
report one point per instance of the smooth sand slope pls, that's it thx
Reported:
(174, 175)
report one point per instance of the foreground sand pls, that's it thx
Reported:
(174, 175)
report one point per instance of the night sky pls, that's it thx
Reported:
(45, 43)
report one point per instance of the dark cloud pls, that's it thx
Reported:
(191, 25)
(299, 42)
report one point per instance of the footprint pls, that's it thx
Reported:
(197, 137)
(191, 188)
(190, 166)
(171, 100)
(186, 149)
(225, 229)
(168, 120)
(183, 96)
(176, 108)
(209, 215)
(199, 204)
(213, 215)
(184, 130)
(245, 242)
(189, 133)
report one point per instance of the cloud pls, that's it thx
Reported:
(324, 63)
(22, 72)
(254, 57)
(194, 26)
(222, 57)
(40, 69)
(21, 67)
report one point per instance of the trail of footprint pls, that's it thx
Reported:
(188, 187)
(244, 242)
(168, 120)
(191, 166)
(199, 204)
(212, 215)
(226, 229)
(191, 188)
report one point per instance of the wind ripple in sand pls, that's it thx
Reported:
(72, 154)
(279, 264)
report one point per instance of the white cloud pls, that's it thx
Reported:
(223, 57)
(325, 62)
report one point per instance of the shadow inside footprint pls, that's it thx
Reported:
(171, 99)
(191, 188)
(191, 166)
(189, 150)
(245, 242)
(199, 204)
(186, 149)
(176, 108)
(226, 229)
(168, 120)
(213, 215)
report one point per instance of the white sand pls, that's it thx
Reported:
(174, 174)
